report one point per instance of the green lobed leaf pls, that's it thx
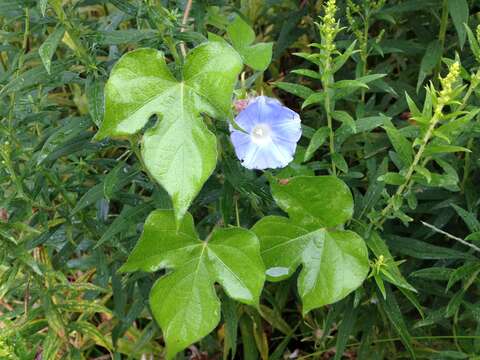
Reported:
(179, 151)
(257, 56)
(334, 262)
(184, 301)
(318, 200)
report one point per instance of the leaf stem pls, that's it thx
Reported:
(186, 13)
(453, 237)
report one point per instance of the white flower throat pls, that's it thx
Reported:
(261, 134)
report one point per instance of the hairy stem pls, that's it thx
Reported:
(186, 13)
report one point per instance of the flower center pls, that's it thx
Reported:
(261, 134)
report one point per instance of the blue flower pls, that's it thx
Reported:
(271, 134)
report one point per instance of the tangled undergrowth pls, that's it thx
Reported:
(380, 201)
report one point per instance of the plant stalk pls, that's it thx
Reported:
(411, 170)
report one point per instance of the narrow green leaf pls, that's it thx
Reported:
(92, 332)
(129, 217)
(463, 272)
(394, 314)
(274, 318)
(295, 89)
(433, 273)
(307, 72)
(340, 162)
(400, 143)
(250, 351)
(51, 346)
(43, 6)
(342, 59)
(345, 329)
(392, 178)
(94, 92)
(472, 40)
(48, 48)
(459, 12)
(423, 250)
(317, 140)
(349, 84)
(230, 317)
(314, 98)
(469, 218)
(431, 58)
(345, 118)
(391, 272)
(424, 172)
(432, 149)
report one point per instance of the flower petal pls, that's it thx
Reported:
(268, 156)
(284, 132)
(241, 143)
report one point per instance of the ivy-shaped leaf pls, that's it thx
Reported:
(180, 152)
(257, 56)
(184, 301)
(334, 261)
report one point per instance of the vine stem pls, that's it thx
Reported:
(186, 13)
(453, 237)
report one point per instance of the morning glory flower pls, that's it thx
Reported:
(271, 134)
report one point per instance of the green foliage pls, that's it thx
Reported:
(180, 152)
(257, 56)
(334, 262)
(184, 302)
(368, 240)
